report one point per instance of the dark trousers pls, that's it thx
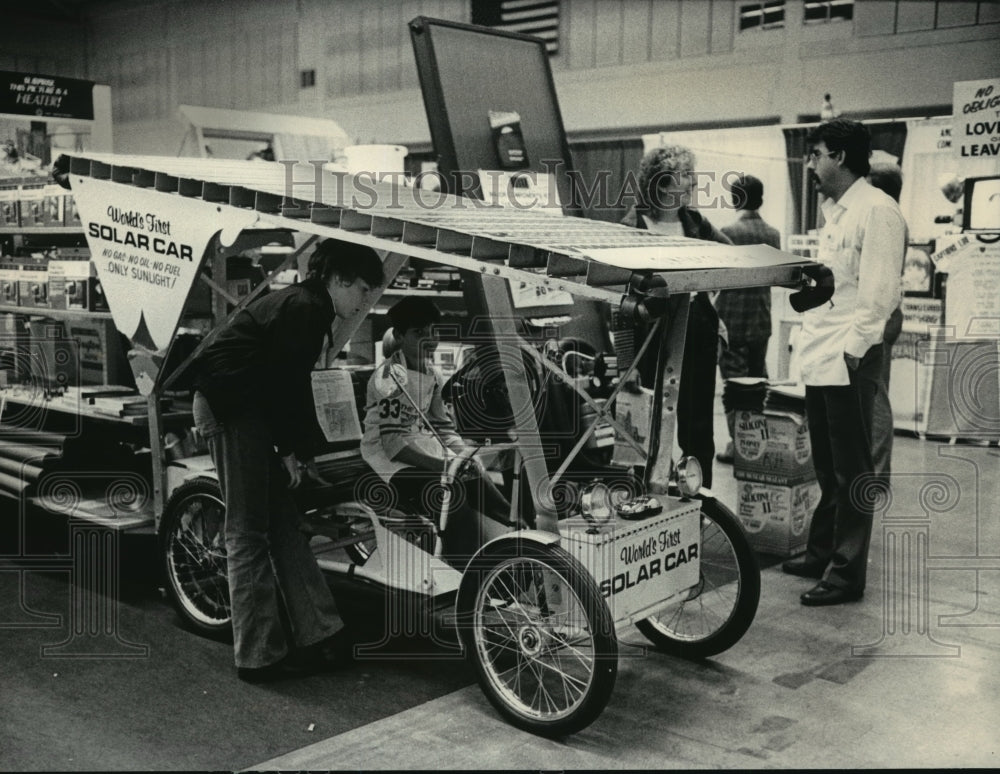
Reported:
(840, 423)
(696, 394)
(744, 357)
(882, 421)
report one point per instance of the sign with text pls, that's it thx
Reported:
(25, 94)
(972, 305)
(147, 248)
(976, 111)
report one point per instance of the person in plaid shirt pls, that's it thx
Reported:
(746, 312)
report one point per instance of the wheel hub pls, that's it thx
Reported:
(530, 640)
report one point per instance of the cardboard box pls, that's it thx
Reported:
(71, 215)
(52, 358)
(777, 518)
(772, 447)
(13, 344)
(41, 206)
(10, 277)
(9, 209)
(100, 357)
(74, 285)
(33, 286)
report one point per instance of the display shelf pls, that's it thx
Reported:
(55, 314)
(71, 404)
(37, 230)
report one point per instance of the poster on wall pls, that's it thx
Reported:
(28, 94)
(976, 112)
(147, 257)
(41, 115)
(972, 305)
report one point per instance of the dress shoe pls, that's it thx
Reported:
(803, 568)
(726, 457)
(827, 594)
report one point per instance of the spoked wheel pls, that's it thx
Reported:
(540, 635)
(713, 615)
(193, 545)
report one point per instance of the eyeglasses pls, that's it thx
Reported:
(815, 153)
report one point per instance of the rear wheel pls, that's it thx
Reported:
(713, 615)
(193, 547)
(540, 635)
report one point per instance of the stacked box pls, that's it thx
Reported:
(777, 518)
(776, 481)
(772, 447)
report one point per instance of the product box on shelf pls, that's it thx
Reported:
(74, 285)
(10, 276)
(51, 357)
(772, 447)
(33, 286)
(41, 206)
(100, 352)
(13, 340)
(9, 210)
(71, 215)
(777, 518)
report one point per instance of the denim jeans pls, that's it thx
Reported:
(270, 564)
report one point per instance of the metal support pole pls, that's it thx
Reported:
(496, 294)
(665, 393)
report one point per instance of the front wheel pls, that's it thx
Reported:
(540, 635)
(193, 547)
(713, 615)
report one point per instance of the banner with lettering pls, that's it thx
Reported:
(976, 111)
(26, 94)
(147, 247)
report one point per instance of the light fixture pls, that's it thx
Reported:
(689, 476)
(595, 503)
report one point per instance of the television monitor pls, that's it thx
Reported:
(981, 210)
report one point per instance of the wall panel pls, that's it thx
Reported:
(635, 31)
(696, 20)
(723, 23)
(664, 31)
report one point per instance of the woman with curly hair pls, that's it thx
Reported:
(666, 181)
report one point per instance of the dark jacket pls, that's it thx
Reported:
(262, 363)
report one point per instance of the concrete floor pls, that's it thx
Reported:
(908, 677)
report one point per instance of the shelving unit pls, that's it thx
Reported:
(55, 314)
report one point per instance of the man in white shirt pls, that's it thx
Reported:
(862, 242)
